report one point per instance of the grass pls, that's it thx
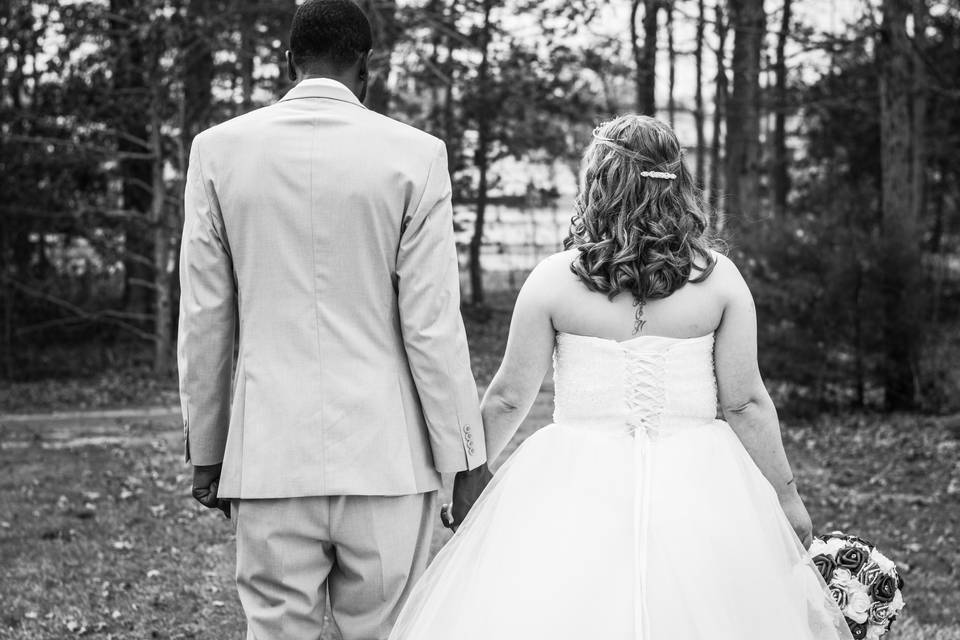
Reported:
(99, 539)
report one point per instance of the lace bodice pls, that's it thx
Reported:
(649, 382)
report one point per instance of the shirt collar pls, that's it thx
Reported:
(322, 88)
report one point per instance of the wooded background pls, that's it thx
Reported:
(827, 152)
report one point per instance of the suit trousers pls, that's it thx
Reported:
(367, 552)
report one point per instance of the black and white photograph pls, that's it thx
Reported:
(480, 319)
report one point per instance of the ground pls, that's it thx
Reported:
(98, 537)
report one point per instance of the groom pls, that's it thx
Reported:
(327, 230)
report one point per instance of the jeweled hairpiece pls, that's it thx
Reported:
(663, 175)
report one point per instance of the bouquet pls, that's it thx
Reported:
(865, 583)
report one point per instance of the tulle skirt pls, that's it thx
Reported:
(589, 532)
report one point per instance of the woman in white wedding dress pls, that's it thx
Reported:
(637, 514)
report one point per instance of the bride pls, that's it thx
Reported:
(636, 514)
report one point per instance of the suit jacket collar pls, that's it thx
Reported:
(322, 88)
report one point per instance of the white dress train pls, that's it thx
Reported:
(635, 515)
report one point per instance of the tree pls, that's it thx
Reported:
(780, 177)
(672, 58)
(698, 116)
(742, 167)
(900, 269)
(130, 23)
(645, 54)
(717, 199)
(481, 155)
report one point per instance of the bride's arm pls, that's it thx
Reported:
(746, 405)
(529, 351)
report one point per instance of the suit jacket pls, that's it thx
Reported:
(326, 230)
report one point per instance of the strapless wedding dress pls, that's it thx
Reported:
(635, 515)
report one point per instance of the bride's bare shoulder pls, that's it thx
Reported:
(727, 279)
(551, 275)
(556, 267)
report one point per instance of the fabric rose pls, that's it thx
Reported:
(842, 577)
(868, 572)
(839, 596)
(857, 630)
(883, 588)
(858, 607)
(879, 612)
(825, 565)
(852, 558)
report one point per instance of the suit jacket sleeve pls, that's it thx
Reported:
(205, 341)
(428, 289)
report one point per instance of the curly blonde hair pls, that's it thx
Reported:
(636, 232)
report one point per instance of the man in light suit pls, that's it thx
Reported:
(327, 230)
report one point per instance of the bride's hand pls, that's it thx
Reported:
(798, 518)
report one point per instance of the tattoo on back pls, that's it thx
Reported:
(638, 321)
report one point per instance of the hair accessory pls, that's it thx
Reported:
(630, 153)
(659, 174)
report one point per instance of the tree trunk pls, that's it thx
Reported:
(197, 69)
(481, 158)
(672, 57)
(858, 315)
(919, 110)
(130, 86)
(6, 299)
(645, 55)
(900, 269)
(698, 95)
(162, 325)
(780, 177)
(248, 54)
(454, 141)
(743, 113)
(717, 199)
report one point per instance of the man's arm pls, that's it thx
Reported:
(207, 320)
(428, 282)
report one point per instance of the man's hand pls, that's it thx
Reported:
(206, 480)
(798, 517)
(467, 487)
